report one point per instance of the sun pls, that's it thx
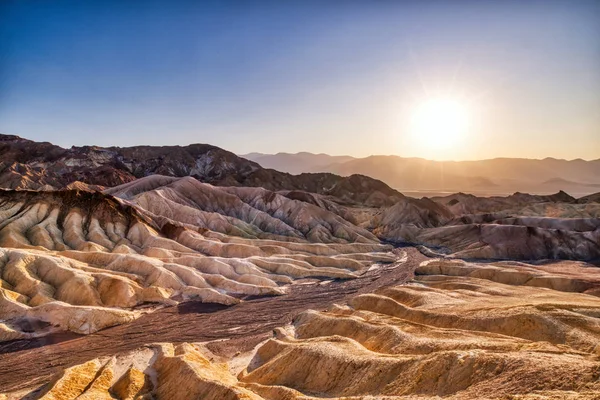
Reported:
(440, 123)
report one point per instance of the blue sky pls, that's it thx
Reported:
(340, 77)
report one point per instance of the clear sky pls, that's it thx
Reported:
(340, 77)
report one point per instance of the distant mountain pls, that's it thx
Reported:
(564, 183)
(592, 198)
(25, 164)
(297, 163)
(493, 176)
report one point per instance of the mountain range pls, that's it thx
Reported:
(25, 164)
(499, 176)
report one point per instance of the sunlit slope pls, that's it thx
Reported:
(81, 261)
(245, 212)
(459, 330)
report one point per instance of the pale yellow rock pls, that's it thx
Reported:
(131, 385)
(453, 336)
(72, 381)
(98, 390)
(8, 333)
(188, 375)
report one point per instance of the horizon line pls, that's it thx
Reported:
(321, 153)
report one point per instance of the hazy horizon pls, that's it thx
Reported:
(424, 158)
(309, 152)
(482, 80)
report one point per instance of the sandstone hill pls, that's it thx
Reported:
(233, 196)
(82, 261)
(205, 187)
(459, 331)
(520, 226)
(240, 211)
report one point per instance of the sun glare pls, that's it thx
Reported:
(440, 123)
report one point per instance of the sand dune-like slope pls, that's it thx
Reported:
(256, 213)
(459, 330)
(239, 211)
(464, 336)
(81, 261)
(252, 202)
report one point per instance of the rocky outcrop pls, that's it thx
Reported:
(592, 198)
(498, 241)
(32, 165)
(520, 226)
(77, 185)
(515, 204)
(419, 213)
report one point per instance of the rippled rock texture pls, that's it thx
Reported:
(204, 186)
(458, 330)
(81, 261)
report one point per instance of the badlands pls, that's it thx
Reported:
(191, 273)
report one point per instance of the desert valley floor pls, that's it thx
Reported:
(191, 273)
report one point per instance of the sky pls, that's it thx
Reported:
(338, 77)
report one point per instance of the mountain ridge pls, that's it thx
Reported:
(501, 175)
(27, 164)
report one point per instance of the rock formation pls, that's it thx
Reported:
(132, 233)
(26, 164)
(82, 261)
(459, 330)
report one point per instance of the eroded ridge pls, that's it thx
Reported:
(458, 330)
(81, 261)
(247, 212)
